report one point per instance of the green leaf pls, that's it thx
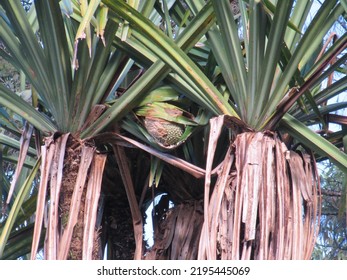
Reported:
(30, 57)
(162, 110)
(255, 56)
(6, 121)
(19, 243)
(272, 8)
(155, 171)
(298, 17)
(272, 54)
(338, 45)
(18, 58)
(344, 5)
(311, 117)
(93, 92)
(161, 94)
(313, 141)
(331, 90)
(311, 39)
(11, 219)
(87, 16)
(232, 45)
(169, 52)
(54, 39)
(157, 72)
(23, 109)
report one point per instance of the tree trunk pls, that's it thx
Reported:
(72, 163)
(71, 171)
(265, 203)
(178, 232)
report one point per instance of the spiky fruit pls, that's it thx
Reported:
(164, 132)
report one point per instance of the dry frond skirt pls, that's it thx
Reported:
(265, 203)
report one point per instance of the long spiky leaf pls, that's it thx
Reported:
(154, 74)
(317, 29)
(56, 50)
(315, 142)
(170, 52)
(22, 195)
(17, 105)
(272, 54)
(225, 19)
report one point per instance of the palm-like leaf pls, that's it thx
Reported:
(66, 96)
(270, 70)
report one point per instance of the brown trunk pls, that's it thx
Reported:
(71, 166)
(118, 229)
(265, 203)
(178, 232)
(71, 173)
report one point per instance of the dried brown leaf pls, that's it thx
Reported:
(47, 154)
(91, 205)
(24, 147)
(124, 169)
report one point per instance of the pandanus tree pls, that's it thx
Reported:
(220, 96)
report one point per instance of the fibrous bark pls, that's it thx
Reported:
(265, 203)
(71, 173)
(178, 232)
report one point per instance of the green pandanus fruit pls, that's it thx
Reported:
(165, 122)
(164, 132)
